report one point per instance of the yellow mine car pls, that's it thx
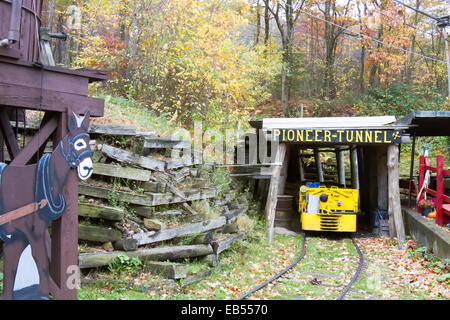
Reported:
(328, 208)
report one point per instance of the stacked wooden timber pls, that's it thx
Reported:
(142, 203)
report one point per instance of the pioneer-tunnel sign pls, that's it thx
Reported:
(366, 136)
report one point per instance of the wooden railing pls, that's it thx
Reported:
(442, 209)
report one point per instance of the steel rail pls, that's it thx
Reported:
(279, 274)
(298, 259)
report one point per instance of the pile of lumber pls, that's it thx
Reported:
(141, 202)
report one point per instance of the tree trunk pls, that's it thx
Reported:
(284, 96)
(258, 22)
(266, 22)
(362, 59)
(330, 43)
(410, 62)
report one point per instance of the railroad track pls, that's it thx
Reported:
(297, 261)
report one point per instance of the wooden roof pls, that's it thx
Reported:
(382, 122)
(427, 123)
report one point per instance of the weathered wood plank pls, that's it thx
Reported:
(233, 214)
(98, 234)
(147, 199)
(112, 129)
(273, 191)
(167, 234)
(189, 195)
(98, 259)
(226, 243)
(189, 208)
(179, 175)
(112, 170)
(132, 158)
(170, 270)
(168, 213)
(179, 163)
(151, 186)
(104, 193)
(198, 276)
(143, 211)
(163, 143)
(100, 212)
(154, 224)
(128, 244)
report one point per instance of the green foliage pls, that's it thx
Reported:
(221, 180)
(123, 263)
(400, 100)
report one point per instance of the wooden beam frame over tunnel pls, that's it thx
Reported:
(373, 157)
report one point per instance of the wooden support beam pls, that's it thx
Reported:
(284, 171)
(64, 248)
(29, 98)
(395, 211)
(354, 167)
(38, 140)
(319, 168)
(382, 178)
(273, 190)
(301, 165)
(340, 161)
(8, 134)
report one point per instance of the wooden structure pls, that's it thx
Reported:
(442, 200)
(430, 124)
(26, 84)
(370, 143)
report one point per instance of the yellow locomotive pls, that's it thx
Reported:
(328, 208)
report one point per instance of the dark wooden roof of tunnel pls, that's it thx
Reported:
(427, 123)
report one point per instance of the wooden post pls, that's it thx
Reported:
(354, 167)
(284, 171)
(301, 166)
(64, 239)
(382, 178)
(411, 169)
(340, 162)
(364, 186)
(318, 165)
(395, 210)
(370, 182)
(421, 179)
(439, 189)
(273, 190)
(2, 147)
